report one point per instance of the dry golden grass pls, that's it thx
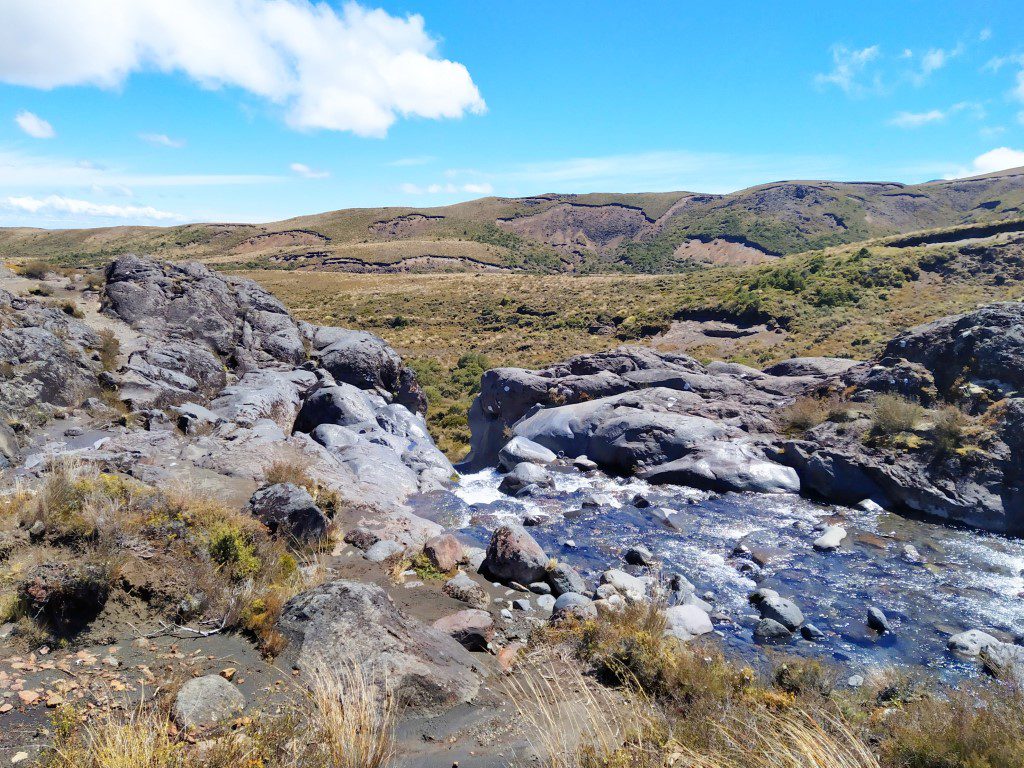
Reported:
(353, 716)
(575, 723)
(140, 738)
(780, 740)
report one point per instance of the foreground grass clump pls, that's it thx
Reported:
(206, 562)
(343, 719)
(700, 709)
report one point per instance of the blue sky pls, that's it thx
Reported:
(123, 111)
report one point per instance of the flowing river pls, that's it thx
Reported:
(963, 579)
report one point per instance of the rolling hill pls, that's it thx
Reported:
(650, 232)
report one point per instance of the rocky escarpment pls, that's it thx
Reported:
(208, 376)
(722, 427)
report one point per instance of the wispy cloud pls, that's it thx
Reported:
(22, 170)
(306, 172)
(406, 162)
(848, 68)
(34, 125)
(933, 60)
(349, 69)
(59, 207)
(918, 119)
(472, 188)
(162, 140)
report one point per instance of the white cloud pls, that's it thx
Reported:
(34, 125)
(985, 34)
(162, 140)
(352, 69)
(848, 65)
(999, 159)
(306, 172)
(990, 131)
(58, 207)
(917, 119)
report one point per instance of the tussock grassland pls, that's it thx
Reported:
(845, 301)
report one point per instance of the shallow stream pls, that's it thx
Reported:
(966, 579)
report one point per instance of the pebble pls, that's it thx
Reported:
(811, 633)
(855, 681)
(522, 605)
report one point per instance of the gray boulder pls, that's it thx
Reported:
(366, 361)
(514, 555)
(288, 510)
(878, 621)
(564, 578)
(523, 475)
(205, 701)
(574, 605)
(347, 622)
(970, 643)
(726, 466)
(685, 622)
(781, 610)
(461, 587)
(770, 630)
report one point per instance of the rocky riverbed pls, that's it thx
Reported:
(931, 580)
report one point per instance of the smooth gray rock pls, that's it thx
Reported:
(779, 609)
(970, 643)
(347, 622)
(726, 466)
(770, 630)
(572, 604)
(831, 538)
(523, 475)
(625, 583)
(685, 622)
(520, 449)
(205, 701)
(382, 550)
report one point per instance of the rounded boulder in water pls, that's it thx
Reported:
(521, 449)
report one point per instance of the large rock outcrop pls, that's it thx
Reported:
(220, 383)
(670, 419)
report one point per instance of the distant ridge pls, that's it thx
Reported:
(639, 232)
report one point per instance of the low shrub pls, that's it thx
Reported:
(36, 269)
(949, 431)
(893, 414)
(805, 413)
